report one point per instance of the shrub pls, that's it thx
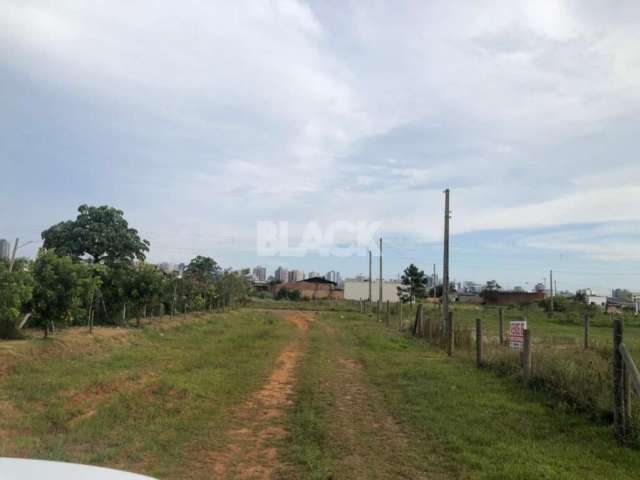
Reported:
(15, 291)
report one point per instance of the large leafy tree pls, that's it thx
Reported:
(414, 284)
(101, 233)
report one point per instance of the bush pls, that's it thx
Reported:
(60, 288)
(15, 291)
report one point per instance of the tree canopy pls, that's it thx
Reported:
(414, 284)
(101, 233)
(203, 268)
(492, 285)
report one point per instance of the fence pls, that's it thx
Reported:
(592, 377)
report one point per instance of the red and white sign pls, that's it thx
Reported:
(516, 334)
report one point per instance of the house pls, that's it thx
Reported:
(314, 288)
(599, 300)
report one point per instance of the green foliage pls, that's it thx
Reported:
(61, 286)
(288, 294)
(100, 232)
(145, 285)
(414, 284)
(15, 291)
(492, 285)
(205, 269)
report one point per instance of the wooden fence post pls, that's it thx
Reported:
(416, 323)
(450, 333)
(388, 312)
(479, 359)
(501, 326)
(618, 386)
(526, 356)
(586, 331)
(427, 327)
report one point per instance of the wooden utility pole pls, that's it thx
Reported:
(370, 279)
(380, 287)
(445, 263)
(13, 255)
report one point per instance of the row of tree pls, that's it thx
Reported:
(93, 270)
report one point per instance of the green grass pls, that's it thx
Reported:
(304, 305)
(148, 405)
(560, 328)
(461, 422)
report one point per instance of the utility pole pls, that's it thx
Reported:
(370, 279)
(445, 263)
(13, 255)
(551, 289)
(380, 287)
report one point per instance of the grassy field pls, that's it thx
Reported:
(286, 394)
(149, 401)
(458, 422)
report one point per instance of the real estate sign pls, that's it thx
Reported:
(516, 334)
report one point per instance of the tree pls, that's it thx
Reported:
(492, 286)
(414, 284)
(203, 268)
(15, 291)
(102, 233)
(58, 291)
(146, 287)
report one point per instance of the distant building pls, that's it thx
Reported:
(332, 276)
(314, 275)
(471, 287)
(356, 290)
(281, 274)
(599, 300)
(295, 276)
(260, 273)
(5, 249)
(314, 288)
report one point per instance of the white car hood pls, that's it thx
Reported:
(22, 469)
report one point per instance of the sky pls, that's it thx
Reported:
(201, 119)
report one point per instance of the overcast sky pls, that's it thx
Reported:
(199, 119)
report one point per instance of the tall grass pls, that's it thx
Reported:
(572, 377)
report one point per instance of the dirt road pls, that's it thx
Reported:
(258, 423)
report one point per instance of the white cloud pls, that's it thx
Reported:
(238, 111)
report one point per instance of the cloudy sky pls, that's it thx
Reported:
(200, 119)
